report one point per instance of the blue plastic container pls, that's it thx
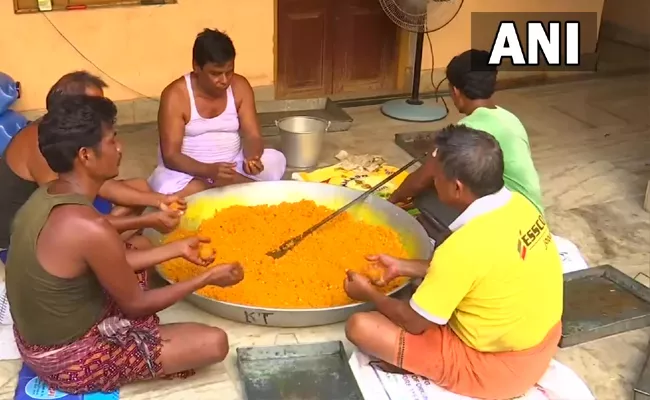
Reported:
(8, 92)
(11, 123)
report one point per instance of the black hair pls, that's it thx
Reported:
(470, 73)
(74, 83)
(212, 46)
(75, 122)
(471, 156)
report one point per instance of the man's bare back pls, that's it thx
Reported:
(129, 197)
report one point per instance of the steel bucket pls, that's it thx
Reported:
(301, 140)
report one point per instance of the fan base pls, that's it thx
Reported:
(401, 110)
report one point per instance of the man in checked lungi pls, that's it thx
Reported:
(84, 319)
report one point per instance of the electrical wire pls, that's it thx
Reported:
(91, 62)
(436, 86)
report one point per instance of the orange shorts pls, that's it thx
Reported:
(441, 356)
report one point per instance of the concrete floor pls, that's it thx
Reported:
(591, 144)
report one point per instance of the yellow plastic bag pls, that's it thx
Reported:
(335, 175)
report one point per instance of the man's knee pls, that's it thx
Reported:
(217, 342)
(275, 164)
(356, 327)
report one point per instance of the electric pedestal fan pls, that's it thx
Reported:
(421, 17)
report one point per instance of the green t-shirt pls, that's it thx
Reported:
(519, 173)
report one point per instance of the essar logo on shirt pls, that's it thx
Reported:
(530, 238)
(521, 248)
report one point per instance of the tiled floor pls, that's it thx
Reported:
(591, 144)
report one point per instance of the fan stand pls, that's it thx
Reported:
(414, 109)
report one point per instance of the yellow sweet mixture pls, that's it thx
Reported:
(309, 276)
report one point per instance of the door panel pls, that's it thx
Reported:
(365, 47)
(330, 47)
(304, 52)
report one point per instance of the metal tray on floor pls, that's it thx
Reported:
(415, 143)
(642, 387)
(601, 302)
(317, 371)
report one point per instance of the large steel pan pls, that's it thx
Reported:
(374, 210)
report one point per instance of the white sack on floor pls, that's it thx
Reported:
(559, 383)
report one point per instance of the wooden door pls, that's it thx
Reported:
(304, 60)
(328, 47)
(365, 54)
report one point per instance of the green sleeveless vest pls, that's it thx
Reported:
(47, 310)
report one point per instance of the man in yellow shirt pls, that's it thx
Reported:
(485, 322)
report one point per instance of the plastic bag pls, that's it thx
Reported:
(572, 259)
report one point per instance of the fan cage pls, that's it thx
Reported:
(421, 15)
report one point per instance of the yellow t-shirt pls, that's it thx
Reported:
(497, 280)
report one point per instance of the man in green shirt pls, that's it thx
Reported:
(472, 84)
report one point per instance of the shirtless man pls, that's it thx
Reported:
(84, 321)
(207, 121)
(23, 169)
